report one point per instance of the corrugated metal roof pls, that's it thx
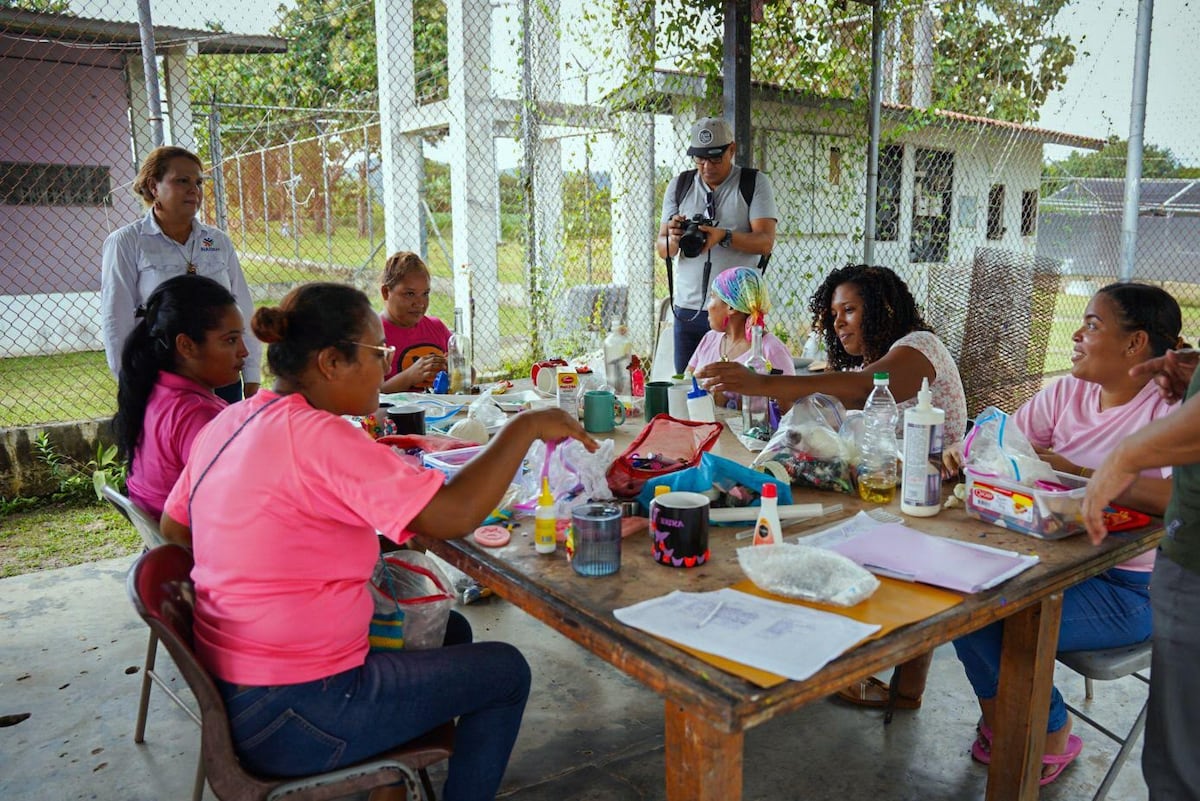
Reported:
(125, 34)
(1157, 196)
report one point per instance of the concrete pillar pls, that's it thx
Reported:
(402, 154)
(177, 95)
(473, 174)
(547, 158)
(636, 205)
(139, 107)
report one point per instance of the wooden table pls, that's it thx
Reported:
(708, 710)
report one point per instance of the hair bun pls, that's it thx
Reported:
(270, 324)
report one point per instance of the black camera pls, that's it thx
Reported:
(693, 240)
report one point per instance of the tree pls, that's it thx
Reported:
(47, 6)
(996, 58)
(1157, 162)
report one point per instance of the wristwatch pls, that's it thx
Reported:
(727, 240)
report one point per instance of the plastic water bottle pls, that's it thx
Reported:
(877, 468)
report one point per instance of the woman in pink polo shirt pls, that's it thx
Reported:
(187, 342)
(1073, 424)
(281, 500)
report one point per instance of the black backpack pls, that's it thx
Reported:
(746, 183)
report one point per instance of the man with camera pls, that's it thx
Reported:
(717, 216)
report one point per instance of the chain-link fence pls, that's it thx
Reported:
(524, 149)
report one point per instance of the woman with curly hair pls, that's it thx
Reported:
(871, 324)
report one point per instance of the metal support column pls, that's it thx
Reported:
(736, 63)
(873, 132)
(1137, 125)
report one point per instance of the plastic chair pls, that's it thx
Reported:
(161, 590)
(144, 524)
(1105, 665)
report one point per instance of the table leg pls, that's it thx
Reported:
(1023, 701)
(703, 762)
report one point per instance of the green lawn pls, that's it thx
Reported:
(58, 535)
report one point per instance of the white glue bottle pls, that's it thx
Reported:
(921, 481)
(545, 521)
(767, 527)
(700, 405)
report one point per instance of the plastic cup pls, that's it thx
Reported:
(595, 547)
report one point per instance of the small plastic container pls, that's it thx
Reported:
(1048, 514)
(594, 546)
(450, 462)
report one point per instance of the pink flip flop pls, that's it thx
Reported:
(1060, 761)
(981, 749)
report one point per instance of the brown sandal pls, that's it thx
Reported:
(874, 693)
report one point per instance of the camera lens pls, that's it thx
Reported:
(692, 241)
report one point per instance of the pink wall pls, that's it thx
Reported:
(62, 105)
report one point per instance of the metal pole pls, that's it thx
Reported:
(292, 186)
(873, 132)
(321, 128)
(737, 78)
(367, 187)
(262, 160)
(1137, 125)
(241, 202)
(150, 72)
(217, 179)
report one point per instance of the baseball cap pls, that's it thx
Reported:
(710, 137)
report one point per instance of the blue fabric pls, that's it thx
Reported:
(713, 470)
(690, 327)
(299, 729)
(1105, 611)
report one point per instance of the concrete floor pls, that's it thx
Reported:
(71, 650)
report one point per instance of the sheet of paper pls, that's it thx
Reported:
(840, 532)
(786, 639)
(898, 551)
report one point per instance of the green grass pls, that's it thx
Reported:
(44, 389)
(60, 535)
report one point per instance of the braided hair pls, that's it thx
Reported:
(889, 312)
(191, 305)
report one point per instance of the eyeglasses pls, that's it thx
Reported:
(386, 352)
(717, 159)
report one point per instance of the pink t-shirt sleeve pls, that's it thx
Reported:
(707, 352)
(1037, 416)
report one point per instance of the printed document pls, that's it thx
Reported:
(785, 639)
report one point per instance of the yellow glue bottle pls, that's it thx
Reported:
(545, 521)
(767, 527)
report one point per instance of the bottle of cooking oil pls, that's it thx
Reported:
(877, 468)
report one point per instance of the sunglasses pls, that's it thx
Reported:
(717, 159)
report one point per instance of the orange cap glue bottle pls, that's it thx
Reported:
(767, 527)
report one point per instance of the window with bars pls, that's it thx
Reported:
(995, 212)
(28, 184)
(1029, 210)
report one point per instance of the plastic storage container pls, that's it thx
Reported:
(450, 462)
(1048, 514)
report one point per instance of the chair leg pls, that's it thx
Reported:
(1126, 746)
(430, 795)
(1087, 687)
(198, 789)
(139, 731)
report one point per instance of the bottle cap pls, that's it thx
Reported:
(769, 490)
(696, 391)
(441, 383)
(661, 489)
(881, 378)
(924, 395)
(545, 499)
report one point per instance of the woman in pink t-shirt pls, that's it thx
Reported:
(1073, 424)
(281, 501)
(738, 302)
(187, 342)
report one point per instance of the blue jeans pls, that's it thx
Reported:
(299, 729)
(1105, 611)
(690, 327)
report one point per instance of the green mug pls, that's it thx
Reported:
(602, 412)
(656, 398)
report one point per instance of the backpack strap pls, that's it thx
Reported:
(746, 183)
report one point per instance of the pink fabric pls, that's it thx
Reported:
(1067, 418)
(429, 335)
(177, 410)
(709, 351)
(946, 386)
(283, 533)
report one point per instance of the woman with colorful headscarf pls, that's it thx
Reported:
(737, 302)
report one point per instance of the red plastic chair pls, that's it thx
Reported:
(161, 590)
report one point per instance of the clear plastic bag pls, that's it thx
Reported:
(996, 447)
(572, 471)
(412, 602)
(810, 447)
(811, 574)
